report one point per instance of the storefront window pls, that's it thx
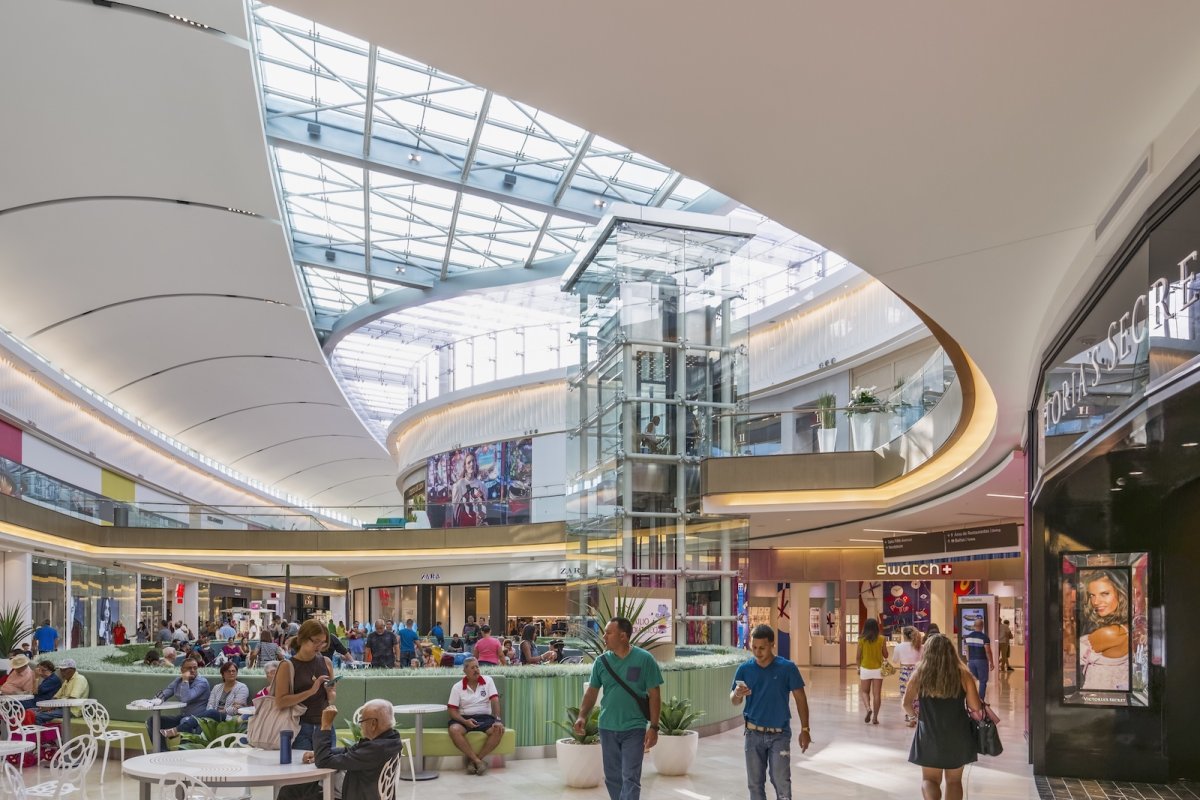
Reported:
(1145, 323)
(394, 603)
(152, 602)
(50, 595)
(99, 597)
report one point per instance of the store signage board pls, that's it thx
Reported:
(656, 614)
(1148, 313)
(989, 540)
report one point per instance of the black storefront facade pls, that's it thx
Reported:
(1114, 547)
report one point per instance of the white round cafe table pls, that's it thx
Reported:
(232, 766)
(156, 716)
(13, 747)
(418, 710)
(65, 722)
(20, 698)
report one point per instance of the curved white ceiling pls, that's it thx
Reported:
(128, 146)
(961, 153)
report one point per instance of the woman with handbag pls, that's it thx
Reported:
(945, 739)
(872, 652)
(301, 681)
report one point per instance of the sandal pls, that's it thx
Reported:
(868, 719)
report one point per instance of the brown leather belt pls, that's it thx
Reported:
(750, 726)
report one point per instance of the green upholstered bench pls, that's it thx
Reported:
(436, 743)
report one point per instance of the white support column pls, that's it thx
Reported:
(337, 608)
(64, 642)
(727, 592)
(16, 585)
(189, 612)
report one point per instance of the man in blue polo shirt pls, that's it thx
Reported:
(979, 656)
(764, 683)
(408, 643)
(46, 638)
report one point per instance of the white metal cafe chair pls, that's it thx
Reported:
(11, 782)
(235, 739)
(388, 776)
(70, 768)
(177, 786)
(13, 714)
(229, 740)
(406, 744)
(97, 718)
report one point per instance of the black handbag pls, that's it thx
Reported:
(987, 738)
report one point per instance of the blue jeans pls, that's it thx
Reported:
(768, 750)
(622, 752)
(304, 739)
(979, 668)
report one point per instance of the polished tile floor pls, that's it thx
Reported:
(849, 759)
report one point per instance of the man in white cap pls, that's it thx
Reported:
(20, 676)
(74, 687)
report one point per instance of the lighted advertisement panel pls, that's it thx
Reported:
(486, 484)
(1105, 629)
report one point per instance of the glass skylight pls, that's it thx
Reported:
(395, 174)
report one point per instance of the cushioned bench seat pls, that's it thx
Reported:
(436, 742)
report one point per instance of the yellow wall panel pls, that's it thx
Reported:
(116, 486)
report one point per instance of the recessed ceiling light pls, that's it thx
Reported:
(1189, 444)
(1137, 472)
(877, 541)
(1115, 489)
(887, 530)
(1010, 496)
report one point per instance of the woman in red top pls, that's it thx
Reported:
(118, 633)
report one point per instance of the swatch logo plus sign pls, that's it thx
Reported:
(947, 569)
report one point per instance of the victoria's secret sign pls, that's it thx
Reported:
(1154, 309)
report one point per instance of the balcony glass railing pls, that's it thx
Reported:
(858, 427)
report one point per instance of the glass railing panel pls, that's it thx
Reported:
(860, 427)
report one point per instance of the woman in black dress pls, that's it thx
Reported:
(944, 742)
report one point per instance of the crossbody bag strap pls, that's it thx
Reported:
(624, 685)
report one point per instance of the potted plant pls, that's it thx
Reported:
(827, 422)
(210, 731)
(677, 742)
(579, 755)
(13, 631)
(645, 635)
(863, 411)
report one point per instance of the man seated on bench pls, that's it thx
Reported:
(474, 705)
(191, 689)
(361, 763)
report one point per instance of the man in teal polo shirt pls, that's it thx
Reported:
(625, 710)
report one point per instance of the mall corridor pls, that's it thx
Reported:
(848, 759)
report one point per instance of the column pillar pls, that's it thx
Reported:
(16, 585)
(189, 612)
(498, 607)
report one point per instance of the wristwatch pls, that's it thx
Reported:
(804, 730)
(654, 728)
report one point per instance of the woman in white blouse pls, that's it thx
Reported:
(908, 652)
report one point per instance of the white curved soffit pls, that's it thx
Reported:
(962, 153)
(120, 234)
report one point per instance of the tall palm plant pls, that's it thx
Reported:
(631, 608)
(13, 629)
